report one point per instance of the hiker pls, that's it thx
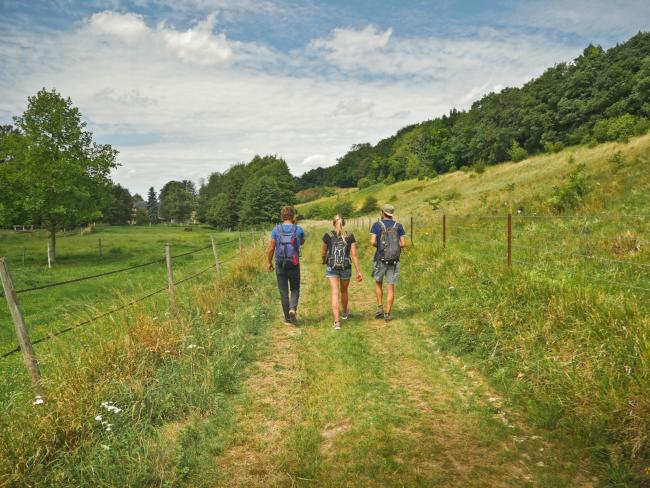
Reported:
(387, 235)
(284, 249)
(339, 252)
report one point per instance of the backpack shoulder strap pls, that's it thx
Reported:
(381, 223)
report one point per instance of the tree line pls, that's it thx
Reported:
(600, 96)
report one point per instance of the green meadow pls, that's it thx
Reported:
(536, 374)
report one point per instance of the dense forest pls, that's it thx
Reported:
(600, 96)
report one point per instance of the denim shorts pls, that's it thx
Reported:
(388, 271)
(343, 274)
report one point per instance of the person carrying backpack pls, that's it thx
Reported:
(387, 235)
(339, 252)
(284, 250)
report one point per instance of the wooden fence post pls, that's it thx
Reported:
(240, 246)
(170, 279)
(509, 240)
(21, 331)
(49, 255)
(216, 256)
(444, 231)
(412, 230)
(100, 248)
(24, 251)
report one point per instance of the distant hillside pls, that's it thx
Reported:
(600, 96)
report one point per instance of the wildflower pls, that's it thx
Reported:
(99, 418)
(38, 400)
(105, 447)
(452, 288)
(192, 346)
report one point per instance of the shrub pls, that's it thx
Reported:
(369, 205)
(517, 153)
(571, 195)
(452, 195)
(618, 160)
(620, 128)
(365, 182)
(389, 180)
(479, 167)
(343, 208)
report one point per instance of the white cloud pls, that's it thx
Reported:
(345, 47)
(125, 26)
(316, 160)
(199, 44)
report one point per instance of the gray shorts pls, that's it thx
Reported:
(382, 271)
(343, 274)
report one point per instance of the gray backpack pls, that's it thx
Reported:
(338, 252)
(389, 248)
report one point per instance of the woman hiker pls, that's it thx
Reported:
(284, 249)
(339, 252)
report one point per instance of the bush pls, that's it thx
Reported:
(571, 195)
(517, 153)
(479, 167)
(343, 208)
(369, 205)
(620, 128)
(365, 182)
(389, 180)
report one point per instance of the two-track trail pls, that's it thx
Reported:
(376, 404)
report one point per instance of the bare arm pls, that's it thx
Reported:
(373, 240)
(270, 253)
(402, 242)
(323, 252)
(355, 260)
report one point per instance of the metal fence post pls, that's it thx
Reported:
(509, 240)
(170, 279)
(21, 331)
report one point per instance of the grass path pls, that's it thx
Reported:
(376, 405)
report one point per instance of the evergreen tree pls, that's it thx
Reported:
(152, 206)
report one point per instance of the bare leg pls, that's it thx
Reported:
(379, 291)
(390, 297)
(334, 287)
(344, 294)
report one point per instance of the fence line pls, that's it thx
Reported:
(116, 271)
(119, 308)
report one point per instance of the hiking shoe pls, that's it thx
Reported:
(379, 313)
(292, 315)
(337, 325)
(345, 315)
(388, 317)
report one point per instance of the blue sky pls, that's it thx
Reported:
(185, 88)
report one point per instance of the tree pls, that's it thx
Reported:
(176, 202)
(118, 206)
(218, 212)
(262, 200)
(55, 171)
(369, 205)
(152, 206)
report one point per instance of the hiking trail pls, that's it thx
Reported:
(377, 404)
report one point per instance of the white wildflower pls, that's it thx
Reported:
(99, 418)
(105, 447)
(452, 288)
(540, 464)
(38, 400)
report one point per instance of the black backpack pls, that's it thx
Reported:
(389, 247)
(337, 257)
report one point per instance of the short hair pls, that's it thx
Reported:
(287, 213)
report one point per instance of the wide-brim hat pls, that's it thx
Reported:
(388, 209)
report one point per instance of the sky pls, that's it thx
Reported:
(185, 88)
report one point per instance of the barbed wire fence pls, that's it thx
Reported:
(25, 345)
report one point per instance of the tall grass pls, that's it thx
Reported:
(166, 375)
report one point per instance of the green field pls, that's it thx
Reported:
(534, 375)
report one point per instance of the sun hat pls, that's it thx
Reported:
(388, 209)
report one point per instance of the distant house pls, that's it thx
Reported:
(139, 206)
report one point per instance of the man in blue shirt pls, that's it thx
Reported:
(386, 268)
(284, 256)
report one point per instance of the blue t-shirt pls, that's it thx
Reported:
(300, 234)
(377, 230)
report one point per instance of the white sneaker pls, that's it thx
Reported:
(345, 315)
(337, 325)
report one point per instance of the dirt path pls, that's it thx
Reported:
(376, 405)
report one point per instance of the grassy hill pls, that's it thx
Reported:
(526, 185)
(563, 333)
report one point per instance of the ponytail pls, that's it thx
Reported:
(339, 226)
